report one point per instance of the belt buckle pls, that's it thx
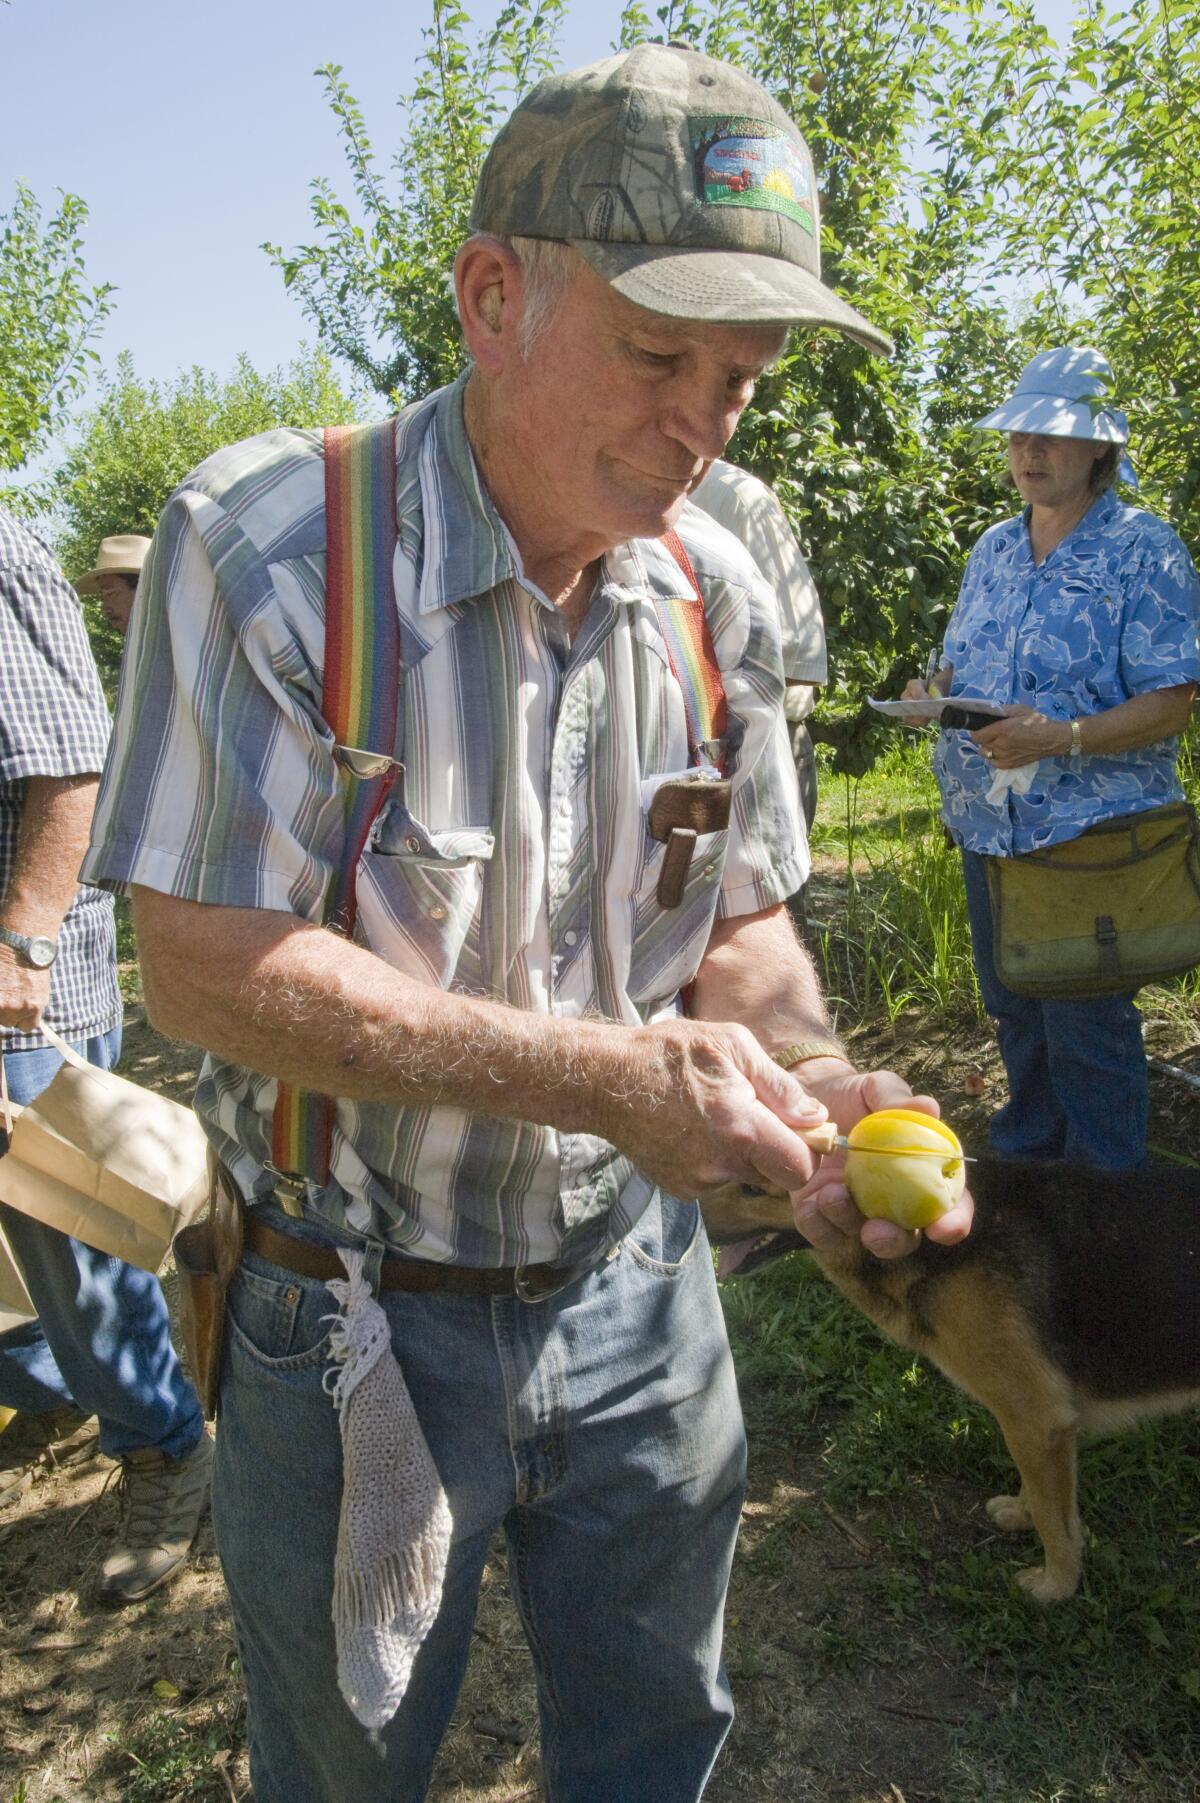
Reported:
(566, 1275)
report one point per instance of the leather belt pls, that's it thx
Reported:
(532, 1283)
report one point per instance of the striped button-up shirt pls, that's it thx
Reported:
(54, 723)
(513, 861)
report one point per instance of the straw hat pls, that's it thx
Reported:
(122, 555)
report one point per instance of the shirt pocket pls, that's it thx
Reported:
(667, 943)
(1070, 647)
(420, 892)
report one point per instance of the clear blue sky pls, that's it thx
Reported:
(192, 132)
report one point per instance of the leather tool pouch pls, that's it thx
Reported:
(206, 1256)
(682, 809)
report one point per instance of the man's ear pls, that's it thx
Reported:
(490, 289)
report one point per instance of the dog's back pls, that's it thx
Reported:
(1104, 1266)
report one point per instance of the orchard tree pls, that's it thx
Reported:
(141, 438)
(375, 283)
(49, 313)
(1086, 156)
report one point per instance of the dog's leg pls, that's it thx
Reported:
(1044, 1453)
(983, 1339)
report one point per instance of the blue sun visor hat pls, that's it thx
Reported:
(1063, 394)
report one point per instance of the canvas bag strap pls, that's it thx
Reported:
(360, 703)
(684, 626)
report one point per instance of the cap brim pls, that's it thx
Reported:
(1052, 417)
(726, 287)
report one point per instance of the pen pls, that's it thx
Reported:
(930, 672)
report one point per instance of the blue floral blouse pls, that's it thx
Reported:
(1112, 612)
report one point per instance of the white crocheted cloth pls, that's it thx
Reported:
(394, 1527)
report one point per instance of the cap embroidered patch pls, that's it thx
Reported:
(742, 162)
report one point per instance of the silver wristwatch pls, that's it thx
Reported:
(37, 952)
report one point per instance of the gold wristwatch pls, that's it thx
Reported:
(810, 1048)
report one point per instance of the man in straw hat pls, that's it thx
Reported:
(115, 578)
(527, 1334)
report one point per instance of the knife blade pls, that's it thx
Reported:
(826, 1138)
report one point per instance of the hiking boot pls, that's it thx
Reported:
(27, 1437)
(164, 1501)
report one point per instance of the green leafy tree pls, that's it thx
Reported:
(374, 281)
(48, 316)
(1085, 155)
(141, 438)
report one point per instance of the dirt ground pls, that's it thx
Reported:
(145, 1704)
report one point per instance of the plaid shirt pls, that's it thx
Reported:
(53, 722)
(515, 864)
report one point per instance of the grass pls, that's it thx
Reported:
(1096, 1700)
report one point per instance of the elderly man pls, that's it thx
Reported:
(522, 1092)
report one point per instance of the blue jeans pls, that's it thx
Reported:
(600, 1429)
(1077, 1079)
(102, 1337)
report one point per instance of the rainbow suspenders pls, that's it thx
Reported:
(360, 703)
(361, 700)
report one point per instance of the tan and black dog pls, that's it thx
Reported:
(1072, 1307)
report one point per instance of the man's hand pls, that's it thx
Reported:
(1023, 737)
(824, 1210)
(702, 1104)
(24, 993)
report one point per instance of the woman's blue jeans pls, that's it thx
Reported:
(102, 1337)
(1077, 1080)
(599, 1429)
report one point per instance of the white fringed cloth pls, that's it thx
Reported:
(394, 1526)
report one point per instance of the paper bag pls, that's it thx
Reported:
(103, 1159)
(15, 1306)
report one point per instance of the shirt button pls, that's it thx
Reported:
(570, 938)
(437, 912)
(412, 843)
(708, 869)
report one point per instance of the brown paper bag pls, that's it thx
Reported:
(15, 1306)
(106, 1161)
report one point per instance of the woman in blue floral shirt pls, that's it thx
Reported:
(1080, 614)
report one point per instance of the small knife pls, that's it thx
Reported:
(826, 1138)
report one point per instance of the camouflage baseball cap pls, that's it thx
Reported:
(680, 180)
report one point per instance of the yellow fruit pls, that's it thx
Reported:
(904, 1186)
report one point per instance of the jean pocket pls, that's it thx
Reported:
(665, 1239)
(419, 898)
(281, 1320)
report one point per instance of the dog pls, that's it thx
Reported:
(1072, 1307)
